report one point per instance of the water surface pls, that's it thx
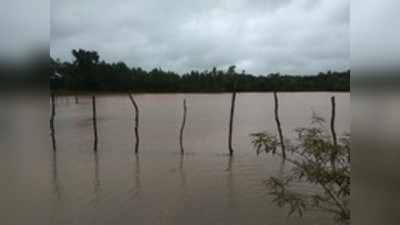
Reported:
(75, 186)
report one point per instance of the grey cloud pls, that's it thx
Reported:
(24, 29)
(260, 36)
(375, 37)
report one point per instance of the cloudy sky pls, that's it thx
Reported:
(259, 36)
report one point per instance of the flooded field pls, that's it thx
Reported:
(76, 186)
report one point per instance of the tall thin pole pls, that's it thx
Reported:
(233, 101)
(94, 122)
(334, 138)
(53, 114)
(183, 126)
(278, 124)
(136, 122)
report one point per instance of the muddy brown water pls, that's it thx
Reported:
(75, 186)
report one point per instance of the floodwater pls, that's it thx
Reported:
(76, 186)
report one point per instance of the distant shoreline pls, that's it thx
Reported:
(83, 93)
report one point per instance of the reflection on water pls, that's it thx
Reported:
(53, 139)
(55, 179)
(230, 182)
(159, 186)
(136, 190)
(96, 181)
(182, 171)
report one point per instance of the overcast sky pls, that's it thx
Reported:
(259, 36)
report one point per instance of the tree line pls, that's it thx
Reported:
(87, 73)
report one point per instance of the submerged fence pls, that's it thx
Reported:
(182, 127)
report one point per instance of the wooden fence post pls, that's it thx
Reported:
(278, 124)
(53, 114)
(183, 126)
(334, 137)
(136, 122)
(233, 102)
(94, 122)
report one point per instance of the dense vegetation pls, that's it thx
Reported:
(88, 73)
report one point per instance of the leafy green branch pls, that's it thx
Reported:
(310, 156)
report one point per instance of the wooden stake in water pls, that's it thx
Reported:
(334, 138)
(183, 127)
(52, 116)
(278, 124)
(233, 102)
(136, 122)
(94, 122)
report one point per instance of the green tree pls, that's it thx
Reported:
(85, 62)
(310, 161)
(86, 73)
